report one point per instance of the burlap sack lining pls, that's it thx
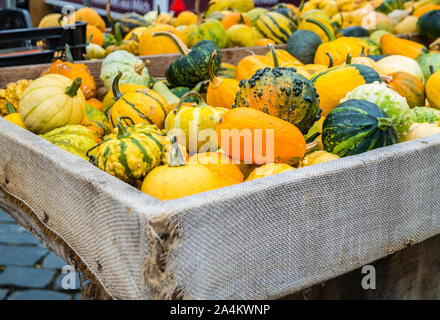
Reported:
(90, 286)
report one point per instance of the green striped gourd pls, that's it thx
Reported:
(130, 153)
(425, 114)
(275, 26)
(357, 126)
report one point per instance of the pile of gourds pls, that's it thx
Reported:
(328, 94)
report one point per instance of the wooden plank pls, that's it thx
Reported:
(156, 67)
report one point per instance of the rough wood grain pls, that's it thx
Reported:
(156, 67)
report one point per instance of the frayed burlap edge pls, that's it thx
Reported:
(163, 235)
(26, 216)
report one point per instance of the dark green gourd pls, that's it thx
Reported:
(357, 126)
(303, 44)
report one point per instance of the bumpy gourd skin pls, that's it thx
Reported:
(130, 155)
(283, 93)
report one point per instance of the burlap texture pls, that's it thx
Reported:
(261, 239)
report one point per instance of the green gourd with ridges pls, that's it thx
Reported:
(75, 139)
(192, 67)
(357, 126)
(303, 44)
(355, 31)
(426, 61)
(429, 24)
(388, 6)
(210, 29)
(130, 153)
(283, 93)
(275, 26)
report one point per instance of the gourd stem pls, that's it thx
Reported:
(199, 85)
(10, 108)
(251, 53)
(92, 158)
(195, 94)
(311, 145)
(431, 69)
(330, 59)
(301, 5)
(139, 68)
(363, 51)
(122, 130)
(384, 123)
(241, 20)
(72, 90)
(176, 157)
(198, 13)
(69, 56)
(107, 10)
(89, 40)
(179, 43)
(348, 59)
(211, 75)
(323, 27)
(115, 87)
(118, 35)
(385, 78)
(158, 10)
(274, 55)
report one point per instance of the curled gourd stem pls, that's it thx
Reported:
(385, 78)
(72, 90)
(211, 75)
(199, 85)
(311, 145)
(274, 55)
(179, 43)
(92, 159)
(122, 130)
(139, 68)
(323, 27)
(115, 87)
(198, 96)
(69, 56)
(348, 59)
(330, 59)
(176, 158)
(107, 10)
(384, 123)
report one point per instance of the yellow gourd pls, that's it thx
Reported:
(268, 170)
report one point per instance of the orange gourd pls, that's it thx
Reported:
(95, 35)
(285, 59)
(264, 42)
(234, 18)
(95, 103)
(408, 86)
(88, 15)
(390, 44)
(425, 8)
(221, 91)
(250, 64)
(253, 136)
(72, 71)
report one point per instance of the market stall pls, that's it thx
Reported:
(136, 208)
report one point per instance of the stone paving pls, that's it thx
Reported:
(28, 271)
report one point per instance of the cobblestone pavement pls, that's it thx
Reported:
(28, 271)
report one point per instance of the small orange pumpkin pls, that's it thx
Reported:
(250, 64)
(95, 35)
(264, 42)
(88, 15)
(221, 91)
(408, 86)
(234, 18)
(95, 103)
(73, 71)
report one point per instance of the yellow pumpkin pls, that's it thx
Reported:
(285, 59)
(305, 25)
(407, 25)
(317, 157)
(150, 45)
(52, 101)
(109, 100)
(179, 179)
(13, 116)
(185, 18)
(268, 170)
(433, 90)
(137, 33)
(240, 35)
(142, 106)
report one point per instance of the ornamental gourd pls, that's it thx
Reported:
(303, 44)
(306, 25)
(395, 63)
(221, 91)
(239, 5)
(247, 66)
(133, 69)
(425, 114)
(281, 92)
(150, 45)
(129, 153)
(178, 179)
(128, 21)
(266, 138)
(75, 139)
(408, 86)
(192, 67)
(89, 15)
(390, 44)
(99, 128)
(141, 106)
(357, 126)
(317, 157)
(209, 29)
(241, 35)
(109, 99)
(14, 116)
(433, 90)
(389, 101)
(429, 63)
(334, 83)
(130, 45)
(429, 24)
(339, 48)
(52, 101)
(234, 18)
(421, 130)
(269, 170)
(275, 26)
(72, 71)
(189, 120)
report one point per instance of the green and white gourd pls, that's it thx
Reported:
(389, 101)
